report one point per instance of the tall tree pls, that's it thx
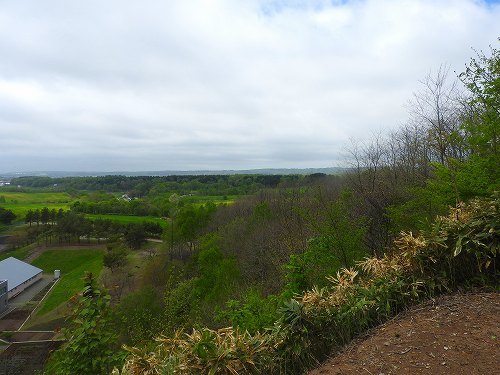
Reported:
(436, 107)
(44, 215)
(6, 216)
(482, 120)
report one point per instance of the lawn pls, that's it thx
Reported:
(73, 265)
(126, 219)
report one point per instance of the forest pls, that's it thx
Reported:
(267, 273)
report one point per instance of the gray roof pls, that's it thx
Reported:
(16, 271)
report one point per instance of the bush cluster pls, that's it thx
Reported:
(460, 248)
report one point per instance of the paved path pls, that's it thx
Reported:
(28, 294)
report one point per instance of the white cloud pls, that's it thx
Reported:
(216, 84)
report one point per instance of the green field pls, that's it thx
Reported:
(21, 203)
(126, 219)
(20, 209)
(35, 197)
(199, 200)
(73, 265)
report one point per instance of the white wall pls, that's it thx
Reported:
(14, 292)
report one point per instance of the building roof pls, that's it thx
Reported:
(16, 271)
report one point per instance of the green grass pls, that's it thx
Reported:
(21, 203)
(126, 219)
(199, 200)
(34, 197)
(73, 265)
(20, 253)
(20, 209)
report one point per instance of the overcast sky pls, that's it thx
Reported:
(225, 84)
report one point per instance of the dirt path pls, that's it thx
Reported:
(457, 334)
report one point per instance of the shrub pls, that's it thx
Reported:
(225, 351)
(457, 249)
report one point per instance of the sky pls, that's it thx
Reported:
(121, 85)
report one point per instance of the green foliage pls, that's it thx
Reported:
(341, 233)
(140, 186)
(472, 232)
(115, 257)
(339, 244)
(477, 173)
(6, 216)
(262, 213)
(182, 306)
(456, 250)
(217, 273)
(190, 220)
(135, 235)
(252, 313)
(482, 78)
(139, 316)
(91, 343)
(427, 202)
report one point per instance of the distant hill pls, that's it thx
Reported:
(266, 171)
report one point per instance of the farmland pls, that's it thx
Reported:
(21, 202)
(35, 197)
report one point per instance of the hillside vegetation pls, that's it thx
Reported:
(459, 248)
(272, 280)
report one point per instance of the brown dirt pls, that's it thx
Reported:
(13, 320)
(26, 358)
(455, 334)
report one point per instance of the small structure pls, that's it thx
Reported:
(3, 295)
(19, 275)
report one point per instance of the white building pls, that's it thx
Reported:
(19, 275)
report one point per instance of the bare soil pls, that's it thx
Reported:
(13, 320)
(26, 358)
(454, 334)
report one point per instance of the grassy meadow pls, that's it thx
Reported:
(199, 200)
(20, 253)
(35, 197)
(73, 265)
(21, 202)
(126, 219)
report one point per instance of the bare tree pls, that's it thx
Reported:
(436, 108)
